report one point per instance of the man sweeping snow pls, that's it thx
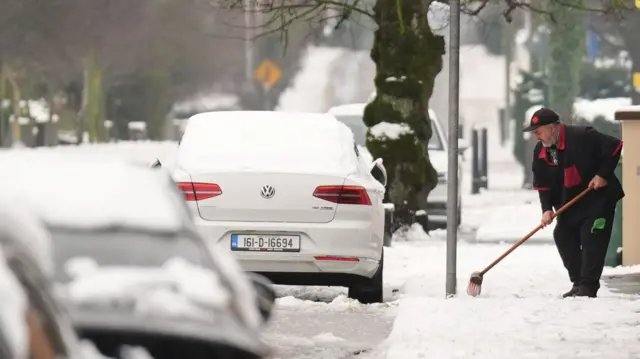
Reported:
(567, 160)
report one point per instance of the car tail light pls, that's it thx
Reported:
(199, 191)
(343, 194)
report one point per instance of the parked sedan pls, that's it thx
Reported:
(131, 265)
(436, 202)
(288, 194)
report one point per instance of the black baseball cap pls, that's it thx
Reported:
(543, 116)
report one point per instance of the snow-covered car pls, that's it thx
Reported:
(288, 194)
(33, 323)
(130, 263)
(352, 116)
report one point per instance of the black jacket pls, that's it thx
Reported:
(583, 152)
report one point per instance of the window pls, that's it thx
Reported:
(45, 330)
(359, 129)
(122, 248)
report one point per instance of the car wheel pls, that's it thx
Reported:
(459, 216)
(424, 223)
(370, 292)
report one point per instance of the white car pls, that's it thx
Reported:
(289, 195)
(124, 246)
(352, 116)
(33, 321)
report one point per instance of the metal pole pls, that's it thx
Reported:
(452, 185)
(475, 163)
(507, 69)
(485, 160)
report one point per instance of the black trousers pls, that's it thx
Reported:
(583, 244)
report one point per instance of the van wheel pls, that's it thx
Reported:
(370, 292)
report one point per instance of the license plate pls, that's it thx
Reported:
(265, 243)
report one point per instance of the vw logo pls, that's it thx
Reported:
(267, 191)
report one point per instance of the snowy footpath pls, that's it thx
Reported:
(520, 312)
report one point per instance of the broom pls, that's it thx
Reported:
(475, 282)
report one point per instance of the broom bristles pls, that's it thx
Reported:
(473, 289)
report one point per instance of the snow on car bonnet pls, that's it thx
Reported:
(277, 142)
(83, 193)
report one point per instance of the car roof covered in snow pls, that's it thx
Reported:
(267, 141)
(76, 191)
(348, 109)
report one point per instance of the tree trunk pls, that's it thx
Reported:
(156, 83)
(566, 49)
(16, 140)
(92, 99)
(408, 57)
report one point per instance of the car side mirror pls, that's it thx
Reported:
(378, 171)
(156, 164)
(463, 145)
(265, 295)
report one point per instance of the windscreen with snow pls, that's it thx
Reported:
(274, 142)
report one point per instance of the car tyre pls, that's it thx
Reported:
(371, 292)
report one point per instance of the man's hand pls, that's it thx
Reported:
(597, 182)
(547, 218)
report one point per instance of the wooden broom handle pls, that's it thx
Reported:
(517, 244)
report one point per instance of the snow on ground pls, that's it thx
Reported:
(520, 312)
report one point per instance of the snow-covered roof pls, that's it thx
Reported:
(268, 141)
(348, 109)
(80, 191)
(207, 102)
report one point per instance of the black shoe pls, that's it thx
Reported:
(587, 292)
(572, 293)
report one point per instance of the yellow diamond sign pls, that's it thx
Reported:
(268, 73)
(636, 80)
(638, 4)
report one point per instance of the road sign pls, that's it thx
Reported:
(638, 4)
(268, 73)
(636, 80)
